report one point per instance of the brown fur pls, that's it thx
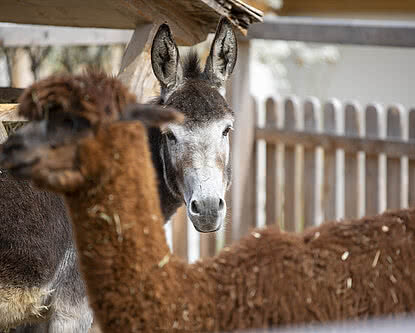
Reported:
(344, 270)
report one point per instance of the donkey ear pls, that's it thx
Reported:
(223, 53)
(151, 115)
(165, 57)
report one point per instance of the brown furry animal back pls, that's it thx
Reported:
(340, 270)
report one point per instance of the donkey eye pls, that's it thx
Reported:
(170, 136)
(226, 131)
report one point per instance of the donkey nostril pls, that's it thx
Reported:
(221, 204)
(194, 208)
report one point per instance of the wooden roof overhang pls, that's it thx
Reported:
(190, 20)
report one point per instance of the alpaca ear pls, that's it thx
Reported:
(223, 54)
(151, 115)
(165, 59)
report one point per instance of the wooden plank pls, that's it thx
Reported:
(18, 35)
(372, 176)
(10, 95)
(291, 120)
(207, 245)
(393, 164)
(312, 193)
(136, 71)
(179, 226)
(411, 163)
(338, 31)
(190, 21)
(3, 133)
(273, 186)
(244, 148)
(352, 187)
(330, 181)
(8, 112)
(349, 7)
(392, 147)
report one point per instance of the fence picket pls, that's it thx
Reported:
(274, 195)
(331, 112)
(411, 163)
(207, 245)
(353, 194)
(372, 192)
(393, 165)
(3, 133)
(312, 192)
(291, 107)
(179, 226)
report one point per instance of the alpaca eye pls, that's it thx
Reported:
(170, 136)
(226, 131)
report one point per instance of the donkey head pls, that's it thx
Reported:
(195, 153)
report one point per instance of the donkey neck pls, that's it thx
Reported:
(169, 203)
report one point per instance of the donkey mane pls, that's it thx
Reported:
(191, 66)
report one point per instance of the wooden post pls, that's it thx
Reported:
(372, 177)
(179, 226)
(352, 187)
(273, 186)
(393, 165)
(411, 164)
(243, 162)
(312, 192)
(291, 202)
(136, 71)
(330, 182)
(3, 133)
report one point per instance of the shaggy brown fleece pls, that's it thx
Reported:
(337, 271)
(350, 269)
(80, 94)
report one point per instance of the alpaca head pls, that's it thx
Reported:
(196, 153)
(66, 113)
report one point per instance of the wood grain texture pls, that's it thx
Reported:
(3, 133)
(179, 226)
(329, 195)
(290, 203)
(372, 122)
(311, 190)
(352, 186)
(393, 164)
(411, 162)
(136, 71)
(273, 186)
(293, 7)
(8, 112)
(190, 21)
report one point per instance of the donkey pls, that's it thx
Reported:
(37, 254)
(192, 159)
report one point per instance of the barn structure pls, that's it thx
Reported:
(299, 191)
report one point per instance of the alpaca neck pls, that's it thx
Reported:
(117, 222)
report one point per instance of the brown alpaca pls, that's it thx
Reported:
(344, 270)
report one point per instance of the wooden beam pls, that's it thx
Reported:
(190, 21)
(136, 71)
(307, 7)
(10, 95)
(243, 147)
(331, 142)
(3, 133)
(339, 31)
(18, 35)
(8, 112)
